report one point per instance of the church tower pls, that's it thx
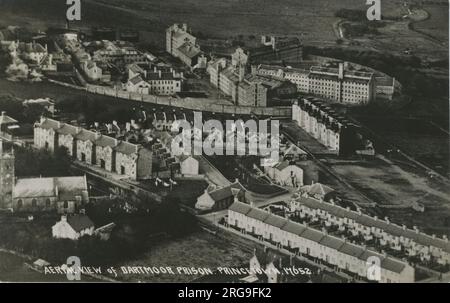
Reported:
(6, 176)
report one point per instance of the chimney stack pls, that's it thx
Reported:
(341, 71)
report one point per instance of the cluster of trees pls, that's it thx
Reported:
(132, 236)
(96, 110)
(354, 15)
(30, 162)
(361, 29)
(25, 114)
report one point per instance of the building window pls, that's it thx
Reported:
(33, 203)
(47, 203)
(19, 203)
(66, 204)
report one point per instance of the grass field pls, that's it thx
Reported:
(313, 20)
(389, 182)
(197, 250)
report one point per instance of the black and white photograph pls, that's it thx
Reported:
(243, 143)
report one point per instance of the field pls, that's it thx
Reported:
(312, 20)
(196, 250)
(417, 137)
(394, 186)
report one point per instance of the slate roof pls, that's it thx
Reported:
(70, 187)
(135, 80)
(34, 188)
(80, 222)
(221, 194)
(49, 124)
(240, 207)
(258, 214)
(312, 234)
(126, 148)
(294, 228)
(4, 119)
(276, 221)
(86, 135)
(67, 187)
(332, 242)
(189, 50)
(351, 250)
(105, 141)
(67, 129)
(393, 229)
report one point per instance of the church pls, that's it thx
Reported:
(64, 195)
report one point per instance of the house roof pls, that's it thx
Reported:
(276, 221)
(137, 79)
(258, 214)
(68, 130)
(67, 187)
(86, 135)
(392, 265)
(332, 242)
(294, 228)
(70, 187)
(4, 119)
(319, 189)
(105, 141)
(351, 249)
(221, 194)
(189, 50)
(49, 124)
(281, 165)
(80, 222)
(126, 148)
(240, 207)
(294, 150)
(312, 234)
(317, 236)
(396, 230)
(34, 188)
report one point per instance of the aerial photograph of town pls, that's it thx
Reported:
(224, 141)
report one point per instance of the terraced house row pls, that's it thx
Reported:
(322, 123)
(94, 148)
(312, 243)
(398, 238)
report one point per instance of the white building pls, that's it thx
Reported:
(189, 166)
(181, 44)
(155, 80)
(316, 244)
(335, 84)
(320, 122)
(285, 174)
(73, 227)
